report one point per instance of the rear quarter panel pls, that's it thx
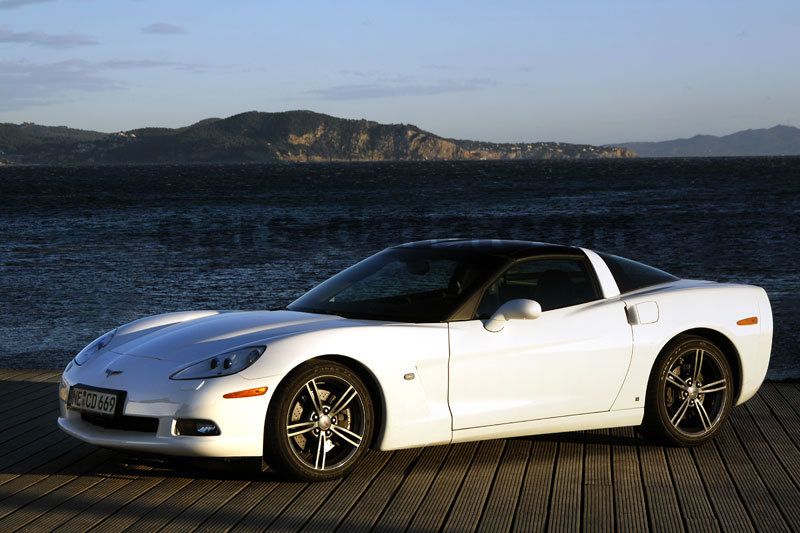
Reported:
(686, 305)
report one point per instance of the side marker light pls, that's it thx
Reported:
(258, 391)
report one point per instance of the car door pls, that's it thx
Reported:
(570, 360)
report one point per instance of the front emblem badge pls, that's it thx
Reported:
(110, 372)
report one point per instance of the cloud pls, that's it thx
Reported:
(24, 84)
(40, 38)
(163, 28)
(361, 91)
(13, 4)
(119, 64)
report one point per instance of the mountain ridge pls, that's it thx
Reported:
(775, 141)
(255, 137)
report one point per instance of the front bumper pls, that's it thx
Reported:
(151, 394)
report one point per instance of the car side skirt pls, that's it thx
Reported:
(606, 419)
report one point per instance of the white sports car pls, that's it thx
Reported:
(428, 343)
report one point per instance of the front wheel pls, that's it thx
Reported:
(690, 393)
(320, 424)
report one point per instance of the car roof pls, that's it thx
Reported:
(512, 249)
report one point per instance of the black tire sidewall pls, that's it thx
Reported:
(277, 448)
(657, 421)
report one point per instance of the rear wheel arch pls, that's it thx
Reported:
(724, 344)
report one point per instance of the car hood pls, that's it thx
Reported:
(204, 337)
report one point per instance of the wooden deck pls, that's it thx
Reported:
(747, 479)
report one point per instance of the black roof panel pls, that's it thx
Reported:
(506, 248)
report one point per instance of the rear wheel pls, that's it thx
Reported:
(320, 424)
(690, 393)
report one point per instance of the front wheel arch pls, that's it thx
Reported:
(366, 376)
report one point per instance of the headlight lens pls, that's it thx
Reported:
(63, 390)
(94, 347)
(221, 365)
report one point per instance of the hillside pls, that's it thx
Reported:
(265, 137)
(778, 140)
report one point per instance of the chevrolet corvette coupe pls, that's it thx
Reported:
(427, 343)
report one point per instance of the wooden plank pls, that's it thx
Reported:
(370, 506)
(203, 508)
(779, 441)
(565, 499)
(791, 392)
(104, 507)
(45, 391)
(13, 438)
(6, 372)
(630, 506)
(662, 503)
(757, 500)
(598, 501)
(466, 511)
(16, 461)
(784, 492)
(160, 515)
(498, 514)
(74, 499)
(18, 446)
(9, 435)
(23, 375)
(47, 409)
(14, 392)
(267, 510)
(33, 376)
(40, 466)
(782, 411)
(435, 506)
(728, 507)
(349, 492)
(414, 487)
(532, 507)
(698, 514)
(231, 514)
(27, 396)
(51, 492)
(41, 374)
(131, 512)
(17, 374)
(304, 506)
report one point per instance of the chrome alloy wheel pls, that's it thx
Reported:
(326, 422)
(695, 392)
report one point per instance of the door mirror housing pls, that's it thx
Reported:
(513, 310)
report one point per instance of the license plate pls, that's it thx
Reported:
(93, 401)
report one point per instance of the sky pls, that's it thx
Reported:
(571, 71)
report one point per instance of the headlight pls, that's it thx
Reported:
(63, 390)
(221, 365)
(94, 347)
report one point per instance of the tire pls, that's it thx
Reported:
(679, 412)
(320, 422)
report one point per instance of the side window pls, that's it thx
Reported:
(632, 275)
(554, 283)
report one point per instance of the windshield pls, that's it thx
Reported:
(402, 284)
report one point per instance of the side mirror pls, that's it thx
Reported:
(512, 310)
